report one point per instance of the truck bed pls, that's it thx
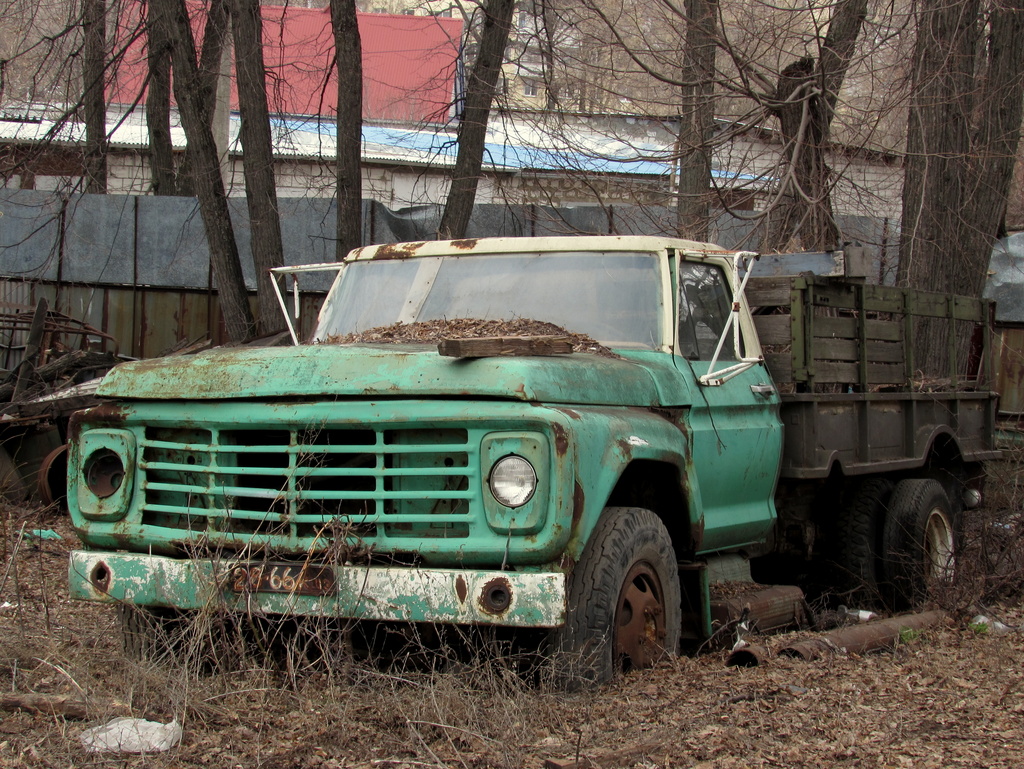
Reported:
(851, 393)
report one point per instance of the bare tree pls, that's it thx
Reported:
(257, 157)
(189, 91)
(697, 119)
(962, 135)
(662, 64)
(805, 102)
(94, 69)
(158, 102)
(480, 90)
(348, 53)
(215, 38)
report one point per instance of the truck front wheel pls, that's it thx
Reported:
(149, 634)
(624, 600)
(920, 538)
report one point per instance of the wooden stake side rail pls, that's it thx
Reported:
(822, 331)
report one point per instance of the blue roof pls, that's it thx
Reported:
(508, 155)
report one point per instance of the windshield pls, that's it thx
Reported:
(615, 297)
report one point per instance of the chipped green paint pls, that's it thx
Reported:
(386, 371)
(534, 599)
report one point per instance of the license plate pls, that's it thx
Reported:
(297, 578)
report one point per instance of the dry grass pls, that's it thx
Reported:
(949, 697)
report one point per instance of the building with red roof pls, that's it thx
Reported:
(409, 63)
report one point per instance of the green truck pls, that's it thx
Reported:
(687, 423)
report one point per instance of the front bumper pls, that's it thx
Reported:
(404, 594)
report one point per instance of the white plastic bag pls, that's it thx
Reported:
(131, 735)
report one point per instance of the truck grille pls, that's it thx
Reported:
(374, 484)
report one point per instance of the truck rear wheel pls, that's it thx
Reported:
(859, 546)
(624, 600)
(920, 539)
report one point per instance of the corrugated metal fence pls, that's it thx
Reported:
(137, 267)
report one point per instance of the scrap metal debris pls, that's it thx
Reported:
(433, 331)
(862, 638)
(51, 350)
(48, 356)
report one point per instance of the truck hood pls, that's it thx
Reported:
(405, 371)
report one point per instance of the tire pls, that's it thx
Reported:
(858, 547)
(149, 634)
(921, 539)
(624, 600)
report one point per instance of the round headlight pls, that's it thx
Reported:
(103, 473)
(513, 481)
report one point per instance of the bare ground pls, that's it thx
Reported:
(949, 696)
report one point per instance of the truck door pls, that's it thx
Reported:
(734, 424)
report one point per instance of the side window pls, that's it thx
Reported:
(705, 301)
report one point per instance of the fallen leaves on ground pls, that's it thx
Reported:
(433, 331)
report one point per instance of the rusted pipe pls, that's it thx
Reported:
(749, 656)
(769, 608)
(877, 634)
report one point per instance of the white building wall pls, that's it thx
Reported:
(866, 185)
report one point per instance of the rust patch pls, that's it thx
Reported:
(466, 244)
(625, 448)
(100, 577)
(572, 414)
(496, 596)
(697, 532)
(578, 498)
(105, 414)
(397, 250)
(108, 413)
(461, 590)
(561, 440)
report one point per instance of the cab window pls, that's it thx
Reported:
(705, 300)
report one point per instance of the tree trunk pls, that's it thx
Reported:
(938, 141)
(348, 50)
(805, 101)
(697, 120)
(215, 34)
(94, 22)
(480, 91)
(935, 176)
(999, 110)
(963, 129)
(258, 158)
(213, 204)
(158, 104)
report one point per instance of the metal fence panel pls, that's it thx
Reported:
(29, 234)
(171, 244)
(99, 239)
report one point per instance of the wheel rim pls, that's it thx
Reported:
(640, 618)
(939, 548)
